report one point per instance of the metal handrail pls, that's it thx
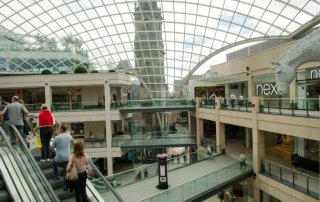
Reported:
(102, 177)
(35, 165)
(292, 170)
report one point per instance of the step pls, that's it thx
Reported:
(4, 195)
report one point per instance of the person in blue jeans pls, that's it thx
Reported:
(62, 145)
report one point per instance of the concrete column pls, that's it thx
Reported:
(299, 146)
(292, 89)
(199, 131)
(227, 93)
(122, 124)
(189, 122)
(220, 127)
(258, 146)
(248, 137)
(250, 85)
(220, 135)
(48, 94)
(108, 127)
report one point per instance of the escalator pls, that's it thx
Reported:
(4, 194)
(41, 174)
(19, 172)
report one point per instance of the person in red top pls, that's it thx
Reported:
(45, 124)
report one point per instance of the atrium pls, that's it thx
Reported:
(135, 78)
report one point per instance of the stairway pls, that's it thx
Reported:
(286, 147)
(47, 170)
(4, 195)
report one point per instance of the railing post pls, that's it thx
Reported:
(281, 174)
(308, 185)
(268, 103)
(293, 179)
(307, 108)
(292, 107)
(280, 106)
(246, 105)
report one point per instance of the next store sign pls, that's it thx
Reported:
(266, 89)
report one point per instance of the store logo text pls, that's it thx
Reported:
(266, 89)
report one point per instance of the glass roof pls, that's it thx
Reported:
(160, 41)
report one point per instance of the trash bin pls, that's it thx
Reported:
(162, 171)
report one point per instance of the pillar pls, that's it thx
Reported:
(108, 127)
(248, 137)
(220, 127)
(48, 95)
(299, 145)
(220, 136)
(189, 122)
(199, 131)
(250, 85)
(258, 146)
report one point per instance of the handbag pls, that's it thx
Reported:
(72, 175)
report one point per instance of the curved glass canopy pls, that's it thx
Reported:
(162, 42)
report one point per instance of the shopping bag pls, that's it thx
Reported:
(38, 141)
(73, 174)
(35, 141)
(32, 143)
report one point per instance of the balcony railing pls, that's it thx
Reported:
(291, 106)
(129, 176)
(172, 140)
(158, 103)
(76, 106)
(237, 104)
(297, 180)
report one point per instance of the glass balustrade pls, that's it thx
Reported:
(76, 106)
(291, 106)
(155, 140)
(34, 107)
(128, 177)
(158, 103)
(244, 104)
(295, 179)
(200, 185)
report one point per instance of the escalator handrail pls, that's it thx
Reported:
(34, 164)
(21, 167)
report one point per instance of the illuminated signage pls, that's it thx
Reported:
(266, 89)
(315, 74)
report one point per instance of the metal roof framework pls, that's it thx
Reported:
(192, 31)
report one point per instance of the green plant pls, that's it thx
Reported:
(46, 71)
(63, 72)
(112, 70)
(80, 70)
(94, 71)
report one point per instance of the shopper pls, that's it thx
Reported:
(45, 123)
(243, 159)
(80, 159)
(16, 113)
(62, 145)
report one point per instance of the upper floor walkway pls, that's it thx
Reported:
(300, 107)
(143, 140)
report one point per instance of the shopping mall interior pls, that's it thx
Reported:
(182, 100)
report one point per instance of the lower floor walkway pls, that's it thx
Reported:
(147, 188)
